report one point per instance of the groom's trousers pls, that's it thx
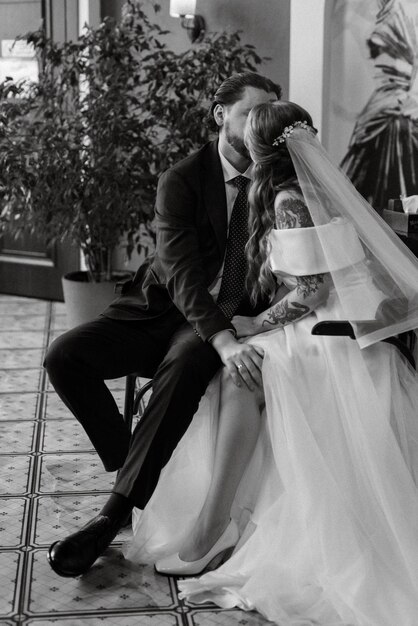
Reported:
(165, 349)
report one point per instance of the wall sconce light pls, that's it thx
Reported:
(186, 10)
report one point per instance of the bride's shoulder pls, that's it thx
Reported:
(290, 209)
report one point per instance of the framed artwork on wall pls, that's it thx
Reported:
(371, 121)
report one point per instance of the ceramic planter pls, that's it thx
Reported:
(86, 300)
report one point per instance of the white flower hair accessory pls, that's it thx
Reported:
(289, 130)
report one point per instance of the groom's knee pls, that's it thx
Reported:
(63, 355)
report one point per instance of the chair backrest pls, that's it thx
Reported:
(405, 342)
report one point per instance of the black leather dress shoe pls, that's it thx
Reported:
(75, 555)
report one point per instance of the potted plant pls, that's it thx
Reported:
(181, 91)
(75, 150)
(81, 149)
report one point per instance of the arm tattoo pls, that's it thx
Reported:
(285, 312)
(307, 285)
(293, 213)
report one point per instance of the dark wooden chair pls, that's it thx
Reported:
(134, 398)
(405, 342)
(135, 394)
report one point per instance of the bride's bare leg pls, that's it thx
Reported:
(239, 425)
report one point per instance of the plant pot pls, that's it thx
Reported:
(85, 300)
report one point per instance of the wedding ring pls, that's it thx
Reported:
(239, 366)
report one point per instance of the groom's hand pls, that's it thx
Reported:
(243, 361)
(245, 326)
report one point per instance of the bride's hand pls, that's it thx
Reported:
(245, 326)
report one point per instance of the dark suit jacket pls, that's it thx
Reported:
(191, 216)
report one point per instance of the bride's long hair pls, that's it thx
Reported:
(273, 171)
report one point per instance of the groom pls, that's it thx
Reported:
(172, 323)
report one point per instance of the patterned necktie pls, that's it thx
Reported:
(235, 266)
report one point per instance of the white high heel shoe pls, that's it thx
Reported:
(174, 566)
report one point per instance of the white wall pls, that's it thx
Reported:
(306, 56)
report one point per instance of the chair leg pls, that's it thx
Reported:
(140, 394)
(128, 408)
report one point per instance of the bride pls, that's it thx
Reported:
(303, 494)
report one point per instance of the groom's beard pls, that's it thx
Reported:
(236, 142)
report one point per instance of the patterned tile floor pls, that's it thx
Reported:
(50, 482)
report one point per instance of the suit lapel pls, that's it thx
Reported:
(214, 194)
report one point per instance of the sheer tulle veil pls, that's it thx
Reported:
(375, 275)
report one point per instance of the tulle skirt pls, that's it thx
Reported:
(328, 505)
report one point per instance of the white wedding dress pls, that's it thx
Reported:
(328, 507)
